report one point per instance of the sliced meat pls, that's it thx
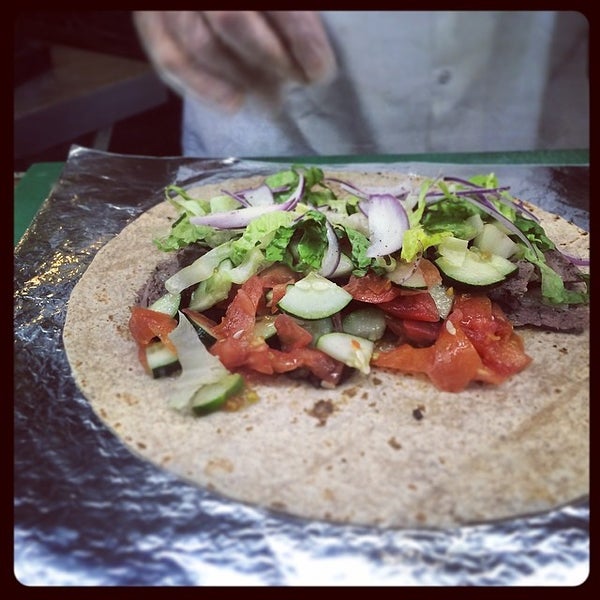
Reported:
(155, 286)
(521, 299)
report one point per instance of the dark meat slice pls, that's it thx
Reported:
(521, 299)
(530, 310)
(154, 288)
(563, 266)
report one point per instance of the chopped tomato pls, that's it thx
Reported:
(277, 278)
(422, 333)
(146, 325)
(290, 333)
(240, 317)
(430, 272)
(418, 306)
(451, 363)
(237, 347)
(200, 319)
(371, 288)
(277, 274)
(492, 334)
(456, 362)
(476, 343)
(323, 366)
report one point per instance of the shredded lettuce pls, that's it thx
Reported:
(199, 366)
(260, 233)
(298, 238)
(552, 286)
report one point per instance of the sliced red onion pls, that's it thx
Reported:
(237, 196)
(387, 223)
(399, 190)
(260, 196)
(486, 206)
(404, 271)
(241, 217)
(516, 204)
(576, 260)
(331, 259)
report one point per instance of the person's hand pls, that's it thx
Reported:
(220, 56)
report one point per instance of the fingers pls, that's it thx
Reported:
(161, 35)
(307, 41)
(222, 55)
(253, 41)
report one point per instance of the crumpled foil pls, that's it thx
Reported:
(87, 512)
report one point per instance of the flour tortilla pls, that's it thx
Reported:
(357, 454)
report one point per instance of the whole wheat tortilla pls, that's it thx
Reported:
(387, 449)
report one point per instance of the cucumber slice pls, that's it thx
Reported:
(161, 361)
(344, 268)
(168, 304)
(203, 327)
(317, 327)
(477, 268)
(407, 274)
(314, 297)
(476, 224)
(492, 239)
(416, 281)
(368, 323)
(264, 327)
(453, 249)
(352, 350)
(212, 396)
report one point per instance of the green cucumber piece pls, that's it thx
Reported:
(352, 350)
(453, 249)
(161, 361)
(264, 327)
(407, 274)
(168, 304)
(203, 327)
(212, 396)
(314, 297)
(477, 269)
(316, 327)
(416, 281)
(368, 323)
(492, 239)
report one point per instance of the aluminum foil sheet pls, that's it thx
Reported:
(89, 513)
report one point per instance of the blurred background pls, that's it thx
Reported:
(81, 77)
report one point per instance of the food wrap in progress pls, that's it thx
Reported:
(382, 448)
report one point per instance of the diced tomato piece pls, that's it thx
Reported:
(240, 317)
(146, 325)
(418, 306)
(492, 334)
(277, 278)
(290, 333)
(371, 288)
(475, 343)
(405, 358)
(422, 333)
(200, 318)
(451, 363)
(231, 352)
(322, 366)
(456, 362)
(430, 272)
(277, 275)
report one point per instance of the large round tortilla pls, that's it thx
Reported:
(363, 458)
